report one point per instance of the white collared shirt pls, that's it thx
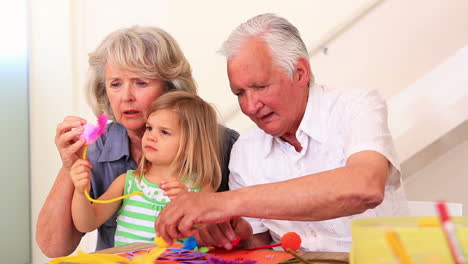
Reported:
(336, 124)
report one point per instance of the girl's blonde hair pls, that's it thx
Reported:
(199, 155)
(150, 51)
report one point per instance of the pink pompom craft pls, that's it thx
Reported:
(91, 132)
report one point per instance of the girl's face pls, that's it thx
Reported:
(161, 140)
(130, 95)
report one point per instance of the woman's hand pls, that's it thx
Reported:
(173, 188)
(67, 140)
(80, 174)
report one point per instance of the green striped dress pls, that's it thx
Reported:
(136, 217)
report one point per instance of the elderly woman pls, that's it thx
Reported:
(128, 71)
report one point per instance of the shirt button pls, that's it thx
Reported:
(313, 234)
(298, 166)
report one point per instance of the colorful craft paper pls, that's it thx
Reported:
(177, 255)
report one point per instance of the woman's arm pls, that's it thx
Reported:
(89, 216)
(55, 233)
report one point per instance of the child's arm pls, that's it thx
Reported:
(89, 216)
(173, 188)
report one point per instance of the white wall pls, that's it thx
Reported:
(395, 45)
(387, 50)
(50, 96)
(443, 179)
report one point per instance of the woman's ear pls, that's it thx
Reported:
(302, 72)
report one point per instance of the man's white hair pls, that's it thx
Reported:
(282, 38)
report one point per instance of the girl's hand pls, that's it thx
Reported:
(80, 174)
(67, 140)
(173, 188)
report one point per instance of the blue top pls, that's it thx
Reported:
(110, 156)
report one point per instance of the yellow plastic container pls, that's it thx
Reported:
(424, 244)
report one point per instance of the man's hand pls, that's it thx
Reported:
(215, 235)
(222, 235)
(185, 212)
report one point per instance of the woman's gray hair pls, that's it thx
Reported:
(149, 51)
(282, 38)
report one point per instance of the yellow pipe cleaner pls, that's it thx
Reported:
(83, 257)
(86, 193)
(148, 258)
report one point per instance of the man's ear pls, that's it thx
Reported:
(302, 72)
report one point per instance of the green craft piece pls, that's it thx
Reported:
(204, 249)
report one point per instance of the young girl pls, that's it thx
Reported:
(181, 152)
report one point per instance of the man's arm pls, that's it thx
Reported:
(336, 193)
(331, 194)
(56, 234)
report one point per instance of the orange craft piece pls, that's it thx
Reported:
(291, 240)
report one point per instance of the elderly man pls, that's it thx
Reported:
(318, 158)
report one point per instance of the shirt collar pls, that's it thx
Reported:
(115, 143)
(311, 123)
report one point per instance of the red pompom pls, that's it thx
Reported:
(291, 240)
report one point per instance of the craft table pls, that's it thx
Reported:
(321, 255)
